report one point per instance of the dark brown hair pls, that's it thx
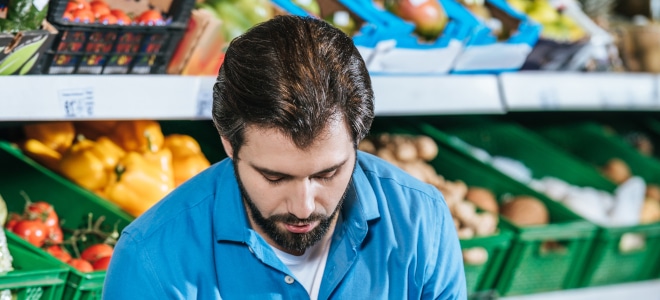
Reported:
(295, 74)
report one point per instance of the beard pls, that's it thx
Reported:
(295, 242)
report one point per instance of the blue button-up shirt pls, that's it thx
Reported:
(397, 241)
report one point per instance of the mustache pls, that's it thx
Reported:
(292, 219)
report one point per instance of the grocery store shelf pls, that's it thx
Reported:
(644, 290)
(428, 95)
(535, 91)
(43, 97)
(51, 97)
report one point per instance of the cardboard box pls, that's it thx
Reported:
(200, 49)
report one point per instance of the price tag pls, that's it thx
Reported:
(77, 103)
(548, 98)
(205, 98)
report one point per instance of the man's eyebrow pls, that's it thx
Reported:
(273, 173)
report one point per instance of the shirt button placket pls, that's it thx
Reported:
(288, 279)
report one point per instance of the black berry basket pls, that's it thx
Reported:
(102, 44)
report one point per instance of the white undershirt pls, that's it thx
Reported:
(308, 268)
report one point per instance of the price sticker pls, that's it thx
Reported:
(548, 98)
(77, 103)
(205, 99)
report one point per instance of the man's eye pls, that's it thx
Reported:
(273, 180)
(327, 176)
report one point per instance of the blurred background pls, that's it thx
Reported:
(537, 120)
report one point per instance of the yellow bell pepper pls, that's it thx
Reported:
(182, 145)
(108, 152)
(55, 135)
(160, 159)
(136, 185)
(132, 135)
(83, 166)
(188, 166)
(94, 129)
(187, 157)
(42, 153)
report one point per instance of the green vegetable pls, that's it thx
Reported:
(18, 58)
(28, 66)
(26, 14)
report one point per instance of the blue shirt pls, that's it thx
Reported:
(397, 241)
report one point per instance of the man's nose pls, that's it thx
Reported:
(301, 203)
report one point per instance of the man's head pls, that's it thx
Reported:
(292, 101)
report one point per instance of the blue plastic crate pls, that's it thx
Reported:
(389, 45)
(483, 53)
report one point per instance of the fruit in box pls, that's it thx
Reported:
(428, 16)
(102, 12)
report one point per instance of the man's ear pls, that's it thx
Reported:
(228, 149)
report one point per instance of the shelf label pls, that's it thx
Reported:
(77, 103)
(205, 98)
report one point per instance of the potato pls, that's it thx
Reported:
(616, 170)
(427, 149)
(475, 256)
(525, 211)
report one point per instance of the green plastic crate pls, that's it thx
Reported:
(33, 277)
(480, 279)
(594, 144)
(527, 268)
(71, 202)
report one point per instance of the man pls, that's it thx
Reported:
(295, 212)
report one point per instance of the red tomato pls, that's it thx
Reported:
(55, 235)
(150, 17)
(13, 219)
(96, 251)
(76, 5)
(83, 16)
(81, 265)
(99, 8)
(108, 19)
(59, 253)
(67, 16)
(122, 17)
(101, 263)
(33, 231)
(44, 212)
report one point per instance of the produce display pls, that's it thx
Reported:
(428, 16)
(411, 154)
(98, 11)
(86, 249)
(131, 163)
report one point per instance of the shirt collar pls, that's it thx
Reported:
(230, 220)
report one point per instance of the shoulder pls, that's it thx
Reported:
(191, 202)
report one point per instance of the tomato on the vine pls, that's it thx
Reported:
(43, 211)
(12, 220)
(33, 231)
(58, 252)
(96, 252)
(102, 263)
(55, 235)
(81, 265)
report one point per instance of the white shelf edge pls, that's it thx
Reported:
(53, 97)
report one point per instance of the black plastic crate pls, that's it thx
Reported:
(96, 48)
